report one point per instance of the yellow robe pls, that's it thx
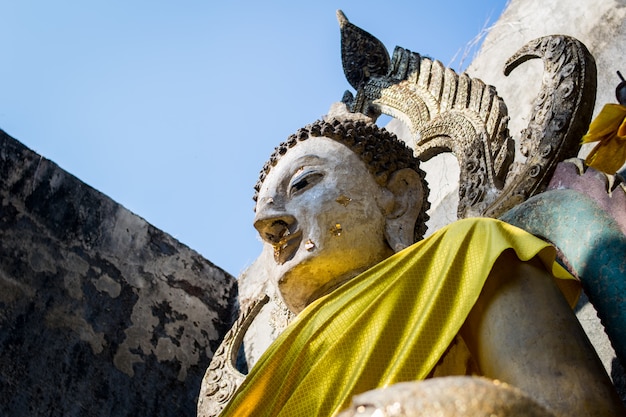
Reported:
(390, 324)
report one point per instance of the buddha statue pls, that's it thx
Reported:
(480, 306)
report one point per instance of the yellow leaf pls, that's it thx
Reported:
(609, 129)
(609, 121)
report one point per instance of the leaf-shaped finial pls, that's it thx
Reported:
(362, 55)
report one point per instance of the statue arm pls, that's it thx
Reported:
(523, 332)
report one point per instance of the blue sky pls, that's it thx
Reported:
(171, 108)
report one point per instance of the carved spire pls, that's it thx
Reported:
(362, 55)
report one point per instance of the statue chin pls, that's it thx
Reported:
(305, 283)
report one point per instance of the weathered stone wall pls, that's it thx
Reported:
(101, 314)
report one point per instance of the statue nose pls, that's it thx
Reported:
(274, 229)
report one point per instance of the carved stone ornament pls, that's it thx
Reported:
(222, 378)
(447, 112)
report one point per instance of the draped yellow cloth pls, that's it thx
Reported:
(390, 324)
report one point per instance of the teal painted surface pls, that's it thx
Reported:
(594, 246)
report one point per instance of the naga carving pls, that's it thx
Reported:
(222, 378)
(448, 112)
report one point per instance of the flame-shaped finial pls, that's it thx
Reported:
(362, 55)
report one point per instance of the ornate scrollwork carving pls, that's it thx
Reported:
(561, 115)
(222, 379)
(447, 112)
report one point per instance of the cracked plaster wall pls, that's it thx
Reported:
(101, 314)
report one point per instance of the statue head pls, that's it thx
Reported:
(332, 201)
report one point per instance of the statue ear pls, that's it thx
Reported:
(406, 187)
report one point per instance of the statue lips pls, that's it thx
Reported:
(287, 246)
(281, 231)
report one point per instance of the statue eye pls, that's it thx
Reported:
(304, 180)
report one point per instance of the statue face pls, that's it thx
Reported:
(323, 215)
